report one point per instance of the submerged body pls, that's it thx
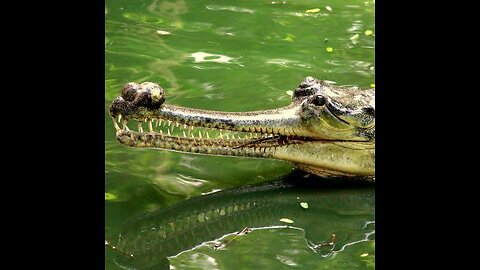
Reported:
(326, 130)
(153, 237)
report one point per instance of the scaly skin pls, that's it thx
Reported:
(326, 130)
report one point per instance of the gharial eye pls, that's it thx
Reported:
(129, 91)
(318, 100)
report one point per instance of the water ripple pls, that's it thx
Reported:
(200, 57)
(230, 8)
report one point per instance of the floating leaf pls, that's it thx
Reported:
(372, 85)
(304, 205)
(354, 37)
(329, 49)
(286, 220)
(290, 92)
(313, 10)
(368, 32)
(289, 37)
(364, 255)
(329, 8)
(110, 196)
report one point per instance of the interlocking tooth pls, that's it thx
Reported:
(192, 135)
(199, 134)
(161, 132)
(145, 120)
(208, 136)
(119, 118)
(185, 126)
(169, 122)
(150, 127)
(184, 135)
(177, 124)
(157, 122)
(191, 127)
(221, 135)
(140, 129)
(160, 122)
(228, 138)
(168, 131)
(124, 124)
(115, 125)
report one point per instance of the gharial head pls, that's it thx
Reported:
(333, 112)
(325, 127)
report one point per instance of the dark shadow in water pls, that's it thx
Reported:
(334, 206)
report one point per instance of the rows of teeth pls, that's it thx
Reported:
(188, 131)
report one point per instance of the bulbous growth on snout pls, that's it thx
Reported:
(148, 95)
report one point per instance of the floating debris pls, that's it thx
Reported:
(372, 85)
(220, 245)
(286, 220)
(364, 255)
(368, 32)
(329, 49)
(110, 196)
(289, 37)
(163, 33)
(304, 205)
(313, 10)
(328, 8)
(290, 92)
(354, 37)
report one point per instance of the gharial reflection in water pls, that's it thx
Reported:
(213, 225)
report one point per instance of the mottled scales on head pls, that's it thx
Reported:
(349, 97)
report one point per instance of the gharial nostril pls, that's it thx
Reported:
(130, 90)
(369, 111)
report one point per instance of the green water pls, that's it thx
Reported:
(231, 56)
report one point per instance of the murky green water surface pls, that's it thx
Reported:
(234, 56)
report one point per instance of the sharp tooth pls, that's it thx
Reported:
(208, 136)
(184, 135)
(177, 124)
(119, 118)
(124, 124)
(160, 122)
(157, 122)
(221, 135)
(169, 122)
(145, 120)
(115, 125)
(168, 131)
(199, 134)
(192, 135)
(150, 127)
(140, 129)
(184, 126)
(228, 138)
(161, 132)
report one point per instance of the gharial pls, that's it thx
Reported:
(327, 130)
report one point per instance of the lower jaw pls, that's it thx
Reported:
(218, 146)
